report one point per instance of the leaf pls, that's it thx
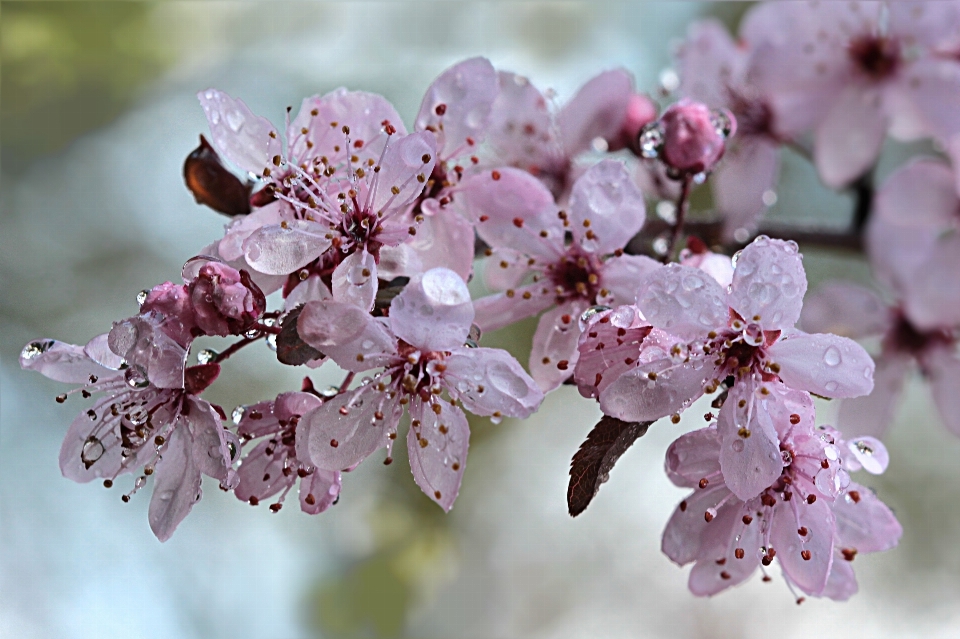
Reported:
(592, 464)
(212, 184)
(386, 291)
(291, 349)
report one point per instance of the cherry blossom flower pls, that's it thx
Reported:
(811, 518)
(716, 71)
(349, 176)
(703, 335)
(420, 348)
(518, 218)
(272, 466)
(526, 134)
(854, 71)
(157, 426)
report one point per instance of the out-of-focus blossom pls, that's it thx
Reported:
(811, 518)
(421, 349)
(518, 218)
(855, 71)
(165, 430)
(704, 334)
(692, 140)
(272, 466)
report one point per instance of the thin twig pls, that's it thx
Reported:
(683, 203)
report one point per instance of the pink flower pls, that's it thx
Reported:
(811, 518)
(518, 218)
(349, 176)
(167, 431)
(272, 466)
(703, 334)
(420, 348)
(525, 134)
(716, 71)
(856, 71)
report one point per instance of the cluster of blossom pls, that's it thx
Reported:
(369, 233)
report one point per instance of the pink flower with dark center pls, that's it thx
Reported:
(526, 134)
(349, 176)
(420, 350)
(811, 518)
(854, 71)
(272, 466)
(704, 335)
(518, 218)
(168, 432)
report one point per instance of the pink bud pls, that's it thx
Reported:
(694, 136)
(225, 301)
(172, 301)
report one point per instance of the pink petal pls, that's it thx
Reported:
(521, 128)
(609, 349)
(847, 142)
(60, 361)
(865, 525)
(92, 448)
(810, 575)
(683, 533)
(240, 136)
(554, 342)
(750, 464)
(845, 309)
(437, 448)
(634, 397)
(444, 239)
(596, 111)
(310, 290)
(261, 475)
(346, 334)
(769, 282)
(872, 414)
(919, 100)
(489, 381)
(405, 162)
(323, 486)
(355, 280)
(213, 447)
(707, 62)
(504, 268)
(749, 169)
(716, 265)
(943, 371)
(282, 249)
(606, 208)
(932, 300)
(334, 441)
(142, 344)
(176, 487)
(466, 92)
(230, 247)
(512, 209)
(503, 309)
(683, 301)
(828, 365)
(721, 539)
(362, 113)
(622, 274)
(694, 456)
(842, 582)
(434, 311)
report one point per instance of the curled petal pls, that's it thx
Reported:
(213, 447)
(434, 311)
(683, 301)
(489, 381)
(61, 362)
(346, 334)
(609, 349)
(355, 280)
(606, 208)
(319, 490)
(142, 344)
(824, 364)
(242, 137)
(457, 105)
(283, 248)
(437, 445)
(769, 283)
(694, 456)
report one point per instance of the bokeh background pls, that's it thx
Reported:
(98, 113)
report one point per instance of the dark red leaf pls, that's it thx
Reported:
(291, 349)
(212, 184)
(592, 464)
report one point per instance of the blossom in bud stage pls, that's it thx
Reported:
(855, 71)
(704, 334)
(139, 425)
(524, 133)
(420, 348)
(692, 140)
(517, 217)
(717, 71)
(811, 517)
(272, 466)
(225, 301)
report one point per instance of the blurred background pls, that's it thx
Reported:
(97, 114)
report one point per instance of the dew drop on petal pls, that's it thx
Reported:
(651, 140)
(830, 386)
(871, 453)
(92, 451)
(832, 356)
(271, 342)
(166, 495)
(142, 297)
(737, 445)
(136, 377)
(588, 314)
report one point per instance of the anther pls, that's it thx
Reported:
(738, 553)
(805, 554)
(811, 498)
(704, 482)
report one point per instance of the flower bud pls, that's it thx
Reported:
(225, 301)
(172, 301)
(694, 136)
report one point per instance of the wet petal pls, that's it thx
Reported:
(355, 280)
(824, 364)
(143, 345)
(810, 575)
(282, 249)
(682, 537)
(310, 290)
(635, 397)
(749, 170)
(718, 567)
(864, 523)
(319, 490)
(445, 239)
(682, 300)
(261, 475)
(437, 446)
(842, 582)
(61, 362)
(622, 274)
(177, 485)
(346, 334)
(213, 447)
(521, 128)
(489, 381)
(606, 208)
(504, 268)
(769, 284)
(555, 342)
(597, 110)
(404, 163)
(458, 104)
(872, 414)
(609, 349)
(503, 309)
(694, 456)
(750, 450)
(240, 136)
(434, 311)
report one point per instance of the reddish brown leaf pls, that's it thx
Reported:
(212, 184)
(291, 349)
(592, 464)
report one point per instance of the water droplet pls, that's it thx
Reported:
(769, 197)
(237, 414)
(330, 391)
(830, 386)
(832, 356)
(207, 356)
(661, 245)
(753, 334)
(722, 121)
(737, 445)
(214, 451)
(669, 80)
(590, 313)
(736, 258)
(651, 140)
(271, 342)
(871, 453)
(166, 495)
(787, 457)
(35, 349)
(474, 333)
(667, 211)
(700, 178)
(142, 296)
(234, 120)
(92, 451)
(136, 377)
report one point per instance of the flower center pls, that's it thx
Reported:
(905, 337)
(877, 56)
(576, 275)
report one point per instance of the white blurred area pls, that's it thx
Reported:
(84, 230)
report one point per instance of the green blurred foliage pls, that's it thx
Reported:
(69, 67)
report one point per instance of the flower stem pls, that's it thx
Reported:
(346, 382)
(683, 202)
(236, 346)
